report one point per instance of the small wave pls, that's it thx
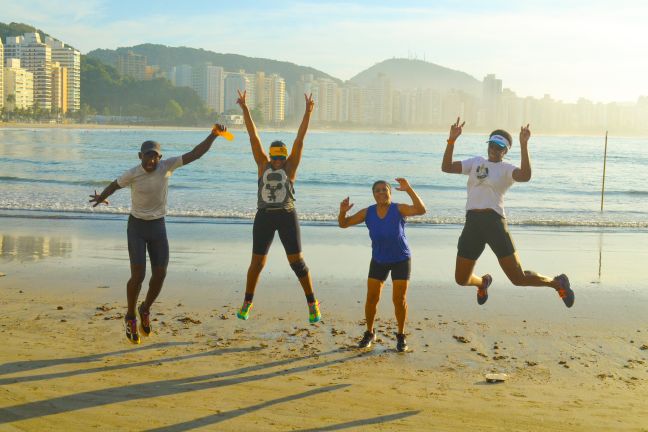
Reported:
(325, 218)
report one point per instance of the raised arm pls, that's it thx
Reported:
(101, 198)
(448, 165)
(260, 156)
(523, 174)
(344, 221)
(417, 207)
(293, 160)
(204, 146)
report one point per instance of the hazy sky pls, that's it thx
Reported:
(569, 49)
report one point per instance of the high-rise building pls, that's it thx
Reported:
(36, 57)
(12, 47)
(18, 86)
(270, 97)
(326, 105)
(182, 76)
(492, 98)
(235, 81)
(132, 65)
(60, 88)
(208, 82)
(70, 59)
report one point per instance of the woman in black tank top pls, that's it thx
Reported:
(276, 209)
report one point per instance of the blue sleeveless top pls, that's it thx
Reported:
(388, 241)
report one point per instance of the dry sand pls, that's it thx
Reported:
(65, 364)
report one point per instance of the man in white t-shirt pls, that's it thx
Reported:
(488, 181)
(149, 183)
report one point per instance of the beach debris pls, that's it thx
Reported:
(105, 308)
(224, 317)
(118, 315)
(336, 332)
(59, 307)
(603, 376)
(187, 320)
(644, 347)
(496, 377)
(461, 339)
(531, 363)
(3, 274)
(500, 357)
(103, 286)
(20, 292)
(63, 320)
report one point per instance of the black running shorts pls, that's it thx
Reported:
(399, 270)
(482, 228)
(267, 221)
(151, 235)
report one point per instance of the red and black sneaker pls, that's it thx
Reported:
(482, 291)
(145, 320)
(131, 330)
(565, 292)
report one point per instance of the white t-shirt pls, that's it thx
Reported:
(149, 190)
(487, 183)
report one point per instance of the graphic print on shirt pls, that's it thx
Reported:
(273, 190)
(482, 172)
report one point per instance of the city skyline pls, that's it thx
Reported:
(567, 49)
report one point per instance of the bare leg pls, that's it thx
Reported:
(155, 286)
(464, 275)
(305, 281)
(374, 287)
(133, 287)
(519, 277)
(254, 271)
(400, 303)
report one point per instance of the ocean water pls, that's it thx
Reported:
(50, 173)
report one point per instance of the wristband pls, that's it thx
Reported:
(451, 141)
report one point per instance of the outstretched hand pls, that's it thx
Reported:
(241, 98)
(403, 185)
(456, 129)
(310, 103)
(345, 205)
(95, 199)
(525, 134)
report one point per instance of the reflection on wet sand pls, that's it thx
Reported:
(33, 248)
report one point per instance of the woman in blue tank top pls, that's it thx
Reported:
(389, 251)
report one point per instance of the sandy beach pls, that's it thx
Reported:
(66, 365)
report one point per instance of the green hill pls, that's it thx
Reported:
(107, 92)
(166, 57)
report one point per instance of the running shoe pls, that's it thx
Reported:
(244, 312)
(367, 340)
(145, 320)
(565, 292)
(131, 330)
(482, 291)
(401, 343)
(314, 314)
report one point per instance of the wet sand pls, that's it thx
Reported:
(66, 364)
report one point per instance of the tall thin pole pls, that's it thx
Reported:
(604, 163)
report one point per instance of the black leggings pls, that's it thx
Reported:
(266, 222)
(151, 235)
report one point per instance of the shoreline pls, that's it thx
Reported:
(287, 129)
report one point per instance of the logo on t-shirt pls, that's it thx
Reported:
(482, 172)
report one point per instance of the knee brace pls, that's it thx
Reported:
(299, 267)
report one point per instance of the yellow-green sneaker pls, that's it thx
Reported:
(314, 314)
(244, 312)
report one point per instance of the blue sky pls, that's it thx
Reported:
(569, 49)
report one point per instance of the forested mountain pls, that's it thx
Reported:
(165, 57)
